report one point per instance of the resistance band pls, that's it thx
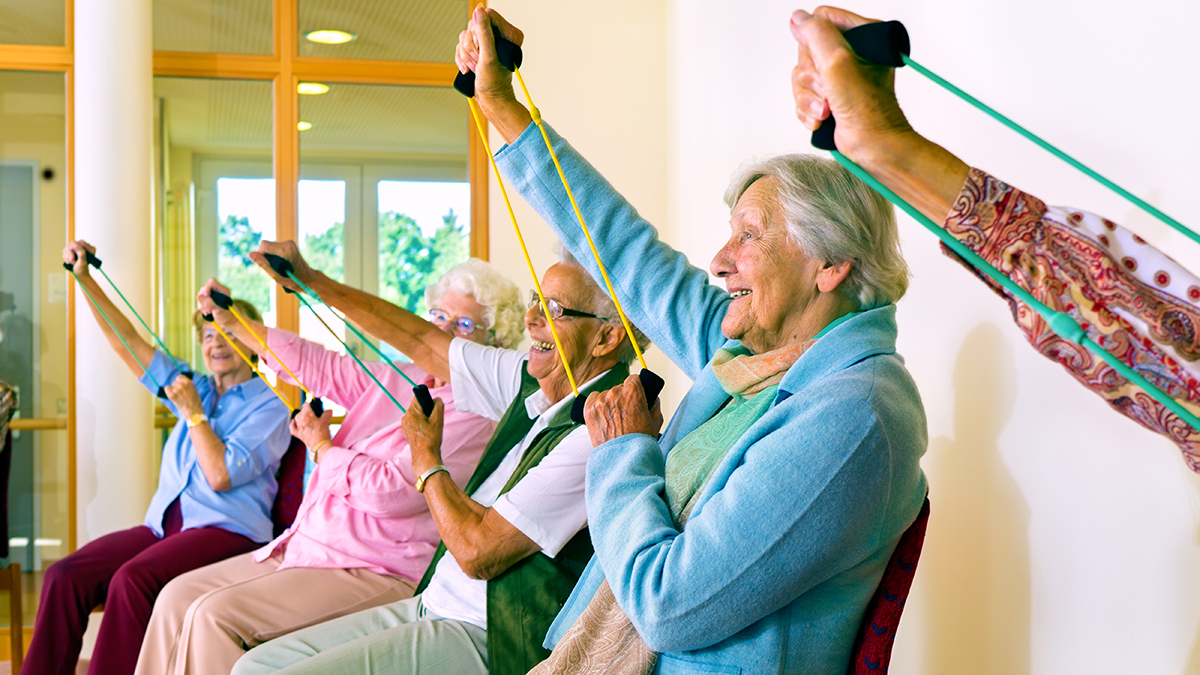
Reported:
(226, 303)
(420, 392)
(510, 56)
(887, 44)
(249, 362)
(95, 262)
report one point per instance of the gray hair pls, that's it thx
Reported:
(602, 305)
(503, 313)
(835, 217)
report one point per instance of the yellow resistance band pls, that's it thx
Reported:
(250, 363)
(263, 343)
(481, 125)
(537, 119)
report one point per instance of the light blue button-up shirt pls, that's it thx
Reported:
(253, 424)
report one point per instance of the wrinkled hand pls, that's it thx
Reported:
(309, 428)
(205, 302)
(829, 78)
(476, 52)
(288, 250)
(76, 254)
(424, 435)
(183, 394)
(621, 410)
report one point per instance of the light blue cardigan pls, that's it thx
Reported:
(791, 534)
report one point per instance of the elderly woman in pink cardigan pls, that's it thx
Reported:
(363, 535)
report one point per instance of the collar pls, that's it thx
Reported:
(851, 339)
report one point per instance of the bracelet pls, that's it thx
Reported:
(312, 452)
(425, 476)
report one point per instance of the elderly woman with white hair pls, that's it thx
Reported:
(749, 536)
(363, 534)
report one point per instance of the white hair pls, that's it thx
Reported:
(835, 217)
(602, 305)
(503, 312)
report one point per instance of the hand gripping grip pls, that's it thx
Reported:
(880, 43)
(315, 404)
(421, 393)
(91, 259)
(507, 51)
(652, 384)
(281, 266)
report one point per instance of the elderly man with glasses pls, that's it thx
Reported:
(515, 540)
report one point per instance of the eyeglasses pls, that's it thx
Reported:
(557, 311)
(462, 325)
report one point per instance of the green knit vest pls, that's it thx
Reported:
(523, 600)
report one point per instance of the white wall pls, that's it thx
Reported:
(1064, 537)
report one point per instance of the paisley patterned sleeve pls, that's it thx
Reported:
(1132, 299)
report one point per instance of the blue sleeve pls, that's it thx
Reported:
(664, 295)
(805, 501)
(258, 443)
(164, 371)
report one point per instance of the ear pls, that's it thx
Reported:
(609, 339)
(831, 276)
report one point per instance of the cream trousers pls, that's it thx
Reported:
(205, 620)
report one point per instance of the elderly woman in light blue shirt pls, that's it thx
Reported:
(751, 535)
(215, 490)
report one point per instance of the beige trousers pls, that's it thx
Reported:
(205, 620)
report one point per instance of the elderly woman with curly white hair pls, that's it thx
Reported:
(749, 536)
(364, 534)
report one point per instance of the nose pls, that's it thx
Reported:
(534, 316)
(722, 263)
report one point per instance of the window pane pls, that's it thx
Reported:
(220, 26)
(215, 197)
(388, 30)
(33, 317)
(384, 198)
(33, 22)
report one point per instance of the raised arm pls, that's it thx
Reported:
(829, 79)
(424, 343)
(76, 254)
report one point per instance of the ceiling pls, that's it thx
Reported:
(349, 119)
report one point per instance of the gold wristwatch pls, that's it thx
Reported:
(196, 418)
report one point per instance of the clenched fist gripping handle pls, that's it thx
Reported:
(651, 383)
(881, 43)
(507, 52)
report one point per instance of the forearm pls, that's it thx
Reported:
(482, 542)
(210, 454)
(421, 341)
(918, 170)
(121, 328)
(252, 337)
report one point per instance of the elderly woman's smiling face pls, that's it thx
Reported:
(777, 300)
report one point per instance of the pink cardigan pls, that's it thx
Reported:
(360, 509)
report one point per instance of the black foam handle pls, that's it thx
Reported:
(220, 299)
(91, 259)
(162, 391)
(189, 375)
(315, 404)
(281, 266)
(207, 317)
(421, 393)
(881, 43)
(652, 384)
(507, 51)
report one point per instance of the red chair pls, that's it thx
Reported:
(873, 647)
(291, 486)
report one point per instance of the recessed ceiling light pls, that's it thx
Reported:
(311, 88)
(330, 37)
(304, 126)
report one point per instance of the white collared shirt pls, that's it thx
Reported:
(547, 505)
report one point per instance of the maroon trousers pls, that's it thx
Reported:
(125, 571)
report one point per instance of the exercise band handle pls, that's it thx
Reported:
(315, 405)
(220, 299)
(91, 260)
(281, 266)
(507, 51)
(652, 384)
(162, 391)
(424, 398)
(883, 43)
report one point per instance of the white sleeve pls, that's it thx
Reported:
(547, 505)
(485, 380)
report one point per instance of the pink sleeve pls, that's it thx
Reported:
(385, 487)
(324, 372)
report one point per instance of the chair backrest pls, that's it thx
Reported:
(291, 486)
(873, 647)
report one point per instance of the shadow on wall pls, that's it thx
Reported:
(977, 555)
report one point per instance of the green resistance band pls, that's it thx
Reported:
(116, 332)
